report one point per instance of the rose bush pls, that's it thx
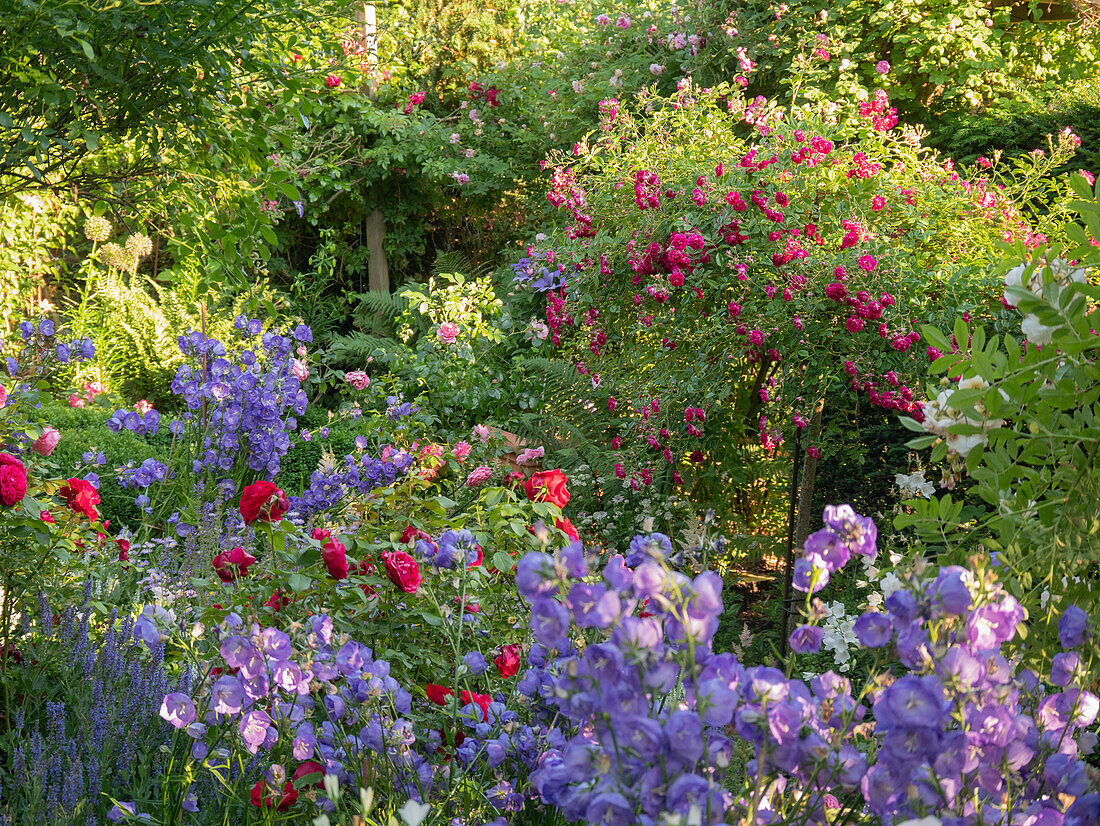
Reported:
(708, 299)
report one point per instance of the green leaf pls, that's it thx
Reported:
(299, 582)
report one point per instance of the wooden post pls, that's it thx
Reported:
(378, 269)
(809, 471)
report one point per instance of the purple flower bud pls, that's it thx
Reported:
(1072, 627)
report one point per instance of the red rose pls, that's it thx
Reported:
(403, 571)
(480, 557)
(480, 700)
(123, 549)
(409, 534)
(438, 694)
(333, 553)
(566, 527)
(277, 601)
(269, 801)
(13, 480)
(46, 516)
(309, 767)
(366, 568)
(507, 661)
(230, 565)
(548, 486)
(262, 501)
(81, 497)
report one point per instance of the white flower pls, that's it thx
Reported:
(578, 87)
(914, 484)
(889, 584)
(1035, 331)
(656, 68)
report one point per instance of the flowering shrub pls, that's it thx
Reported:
(952, 56)
(718, 293)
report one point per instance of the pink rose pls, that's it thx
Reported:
(482, 433)
(3, 395)
(357, 379)
(44, 445)
(479, 476)
(530, 454)
(76, 401)
(143, 407)
(447, 332)
(461, 451)
(299, 369)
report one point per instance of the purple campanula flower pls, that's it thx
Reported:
(859, 533)
(902, 605)
(593, 605)
(616, 574)
(227, 696)
(826, 550)
(239, 653)
(549, 621)
(806, 639)
(873, 630)
(535, 575)
(807, 577)
(610, 809)
(991, 625)
(276, 644)
(1066, 668)
(178, 710)
(911, 702)
(950, 591)
(656, 546)
(475, 662)
(253, 728)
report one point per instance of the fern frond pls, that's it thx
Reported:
(353, 349)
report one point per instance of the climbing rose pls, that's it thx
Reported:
(447, 332)
(478, 476)
(44, 445)
(357, 379)
(507, 661)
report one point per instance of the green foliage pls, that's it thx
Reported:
(943, 55)
(1020, 121)
(135, 322)
(76, 76)
(1024, 425)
